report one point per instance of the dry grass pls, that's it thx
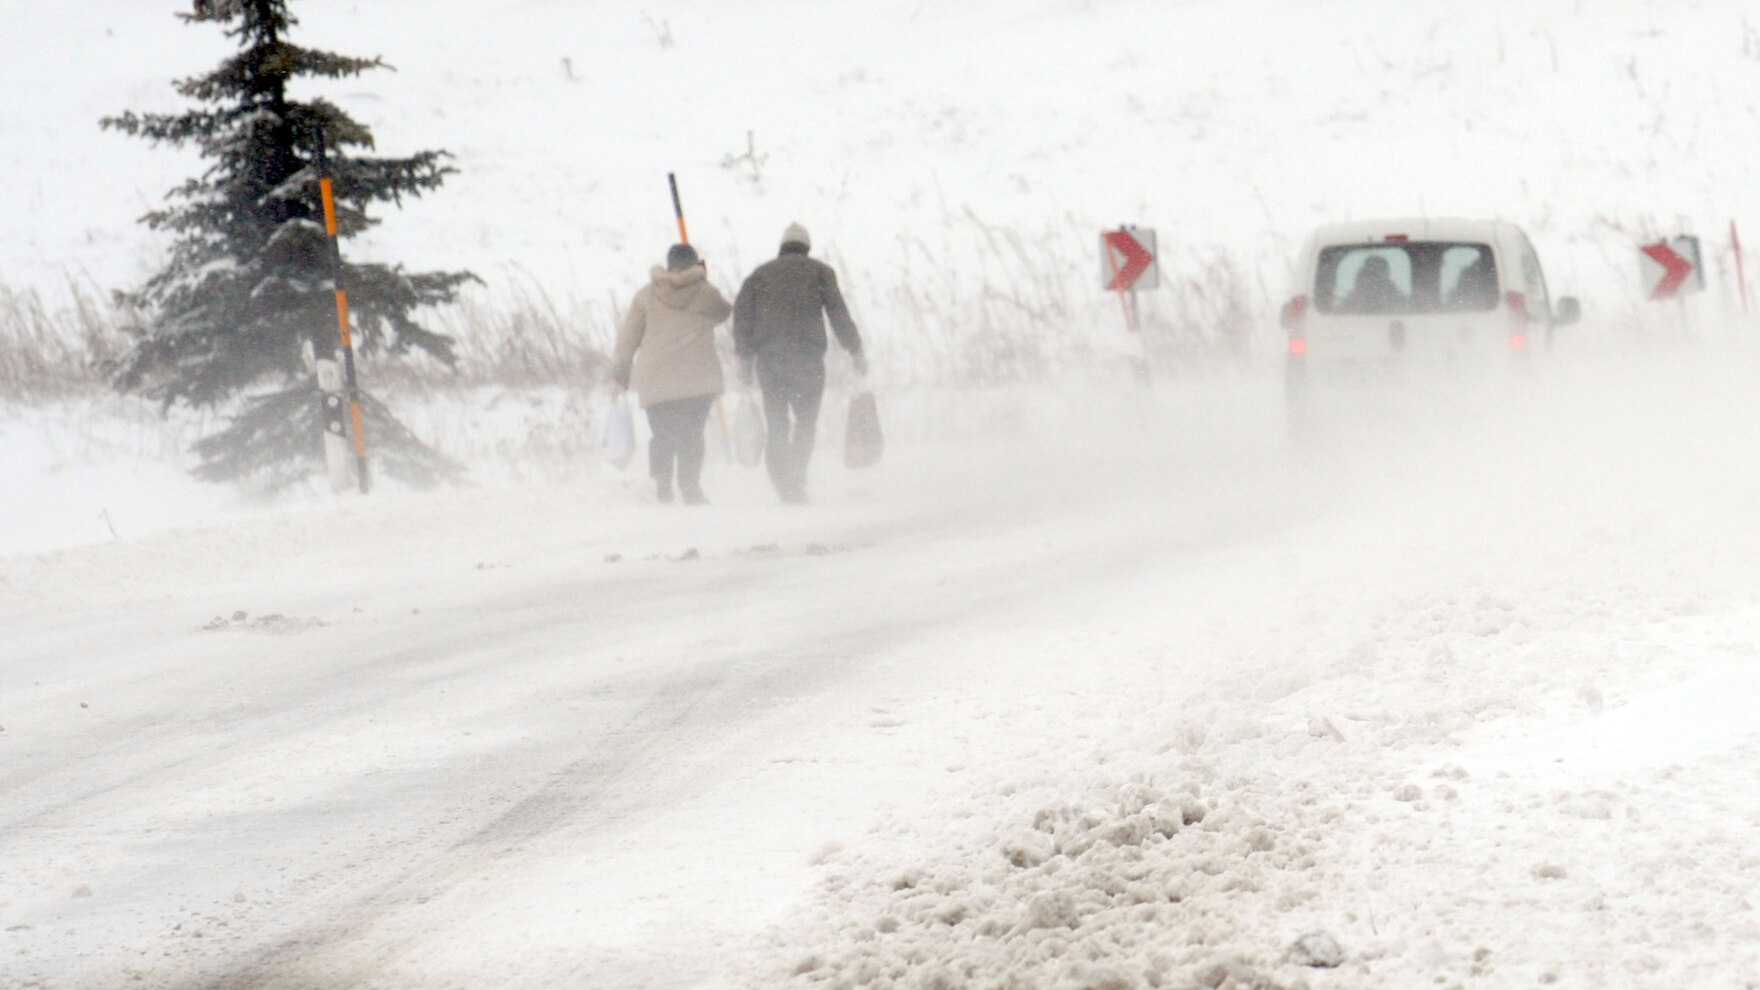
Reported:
(983, 306)
(516, 336)
(50, 352)
(993, 306)
(1202, 317)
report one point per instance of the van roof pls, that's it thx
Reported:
(1409, 228)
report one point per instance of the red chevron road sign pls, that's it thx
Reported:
(1671, 268)
(1127, 259)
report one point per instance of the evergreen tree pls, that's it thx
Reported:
(250, 281)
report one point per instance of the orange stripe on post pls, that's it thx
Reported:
(342, 318)
(360, 436)
(329, 207)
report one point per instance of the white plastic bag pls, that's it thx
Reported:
(619, 442)
(748, 431)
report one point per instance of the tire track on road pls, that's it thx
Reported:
(637, 766)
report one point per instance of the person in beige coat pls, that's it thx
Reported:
(669, 338)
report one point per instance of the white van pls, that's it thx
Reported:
(1384, 300)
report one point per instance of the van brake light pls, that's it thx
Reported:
(1293, 312)
(1518, 320)
(1518, 306)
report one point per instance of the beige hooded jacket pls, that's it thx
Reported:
(671, 322)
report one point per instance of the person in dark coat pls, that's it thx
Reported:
(779, 334)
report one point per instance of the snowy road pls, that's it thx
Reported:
(432, 741)
(552, 737)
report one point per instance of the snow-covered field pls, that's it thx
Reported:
(919, 140)
(1083, 687)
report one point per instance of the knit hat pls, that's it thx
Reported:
(680, 257)
(796, 234)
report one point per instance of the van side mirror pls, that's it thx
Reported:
(1567, 311)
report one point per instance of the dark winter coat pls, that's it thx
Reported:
(781, 309)
(671, 322)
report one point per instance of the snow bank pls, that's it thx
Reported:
(1499, 735)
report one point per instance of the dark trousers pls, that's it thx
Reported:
(793, 389)
(678, 439)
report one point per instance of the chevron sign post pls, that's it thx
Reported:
(1127, 259)
(1127, 263)
(1671, 268)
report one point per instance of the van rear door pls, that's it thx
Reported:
(1397, 302)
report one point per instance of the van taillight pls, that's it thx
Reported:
(1518, 307)
(1518, 320)
(1293, 312)
(1291, 318)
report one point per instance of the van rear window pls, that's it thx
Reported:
(1405, 278)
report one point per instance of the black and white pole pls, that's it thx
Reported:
(345, 338)
(677, 208)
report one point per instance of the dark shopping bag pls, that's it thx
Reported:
(863, 442)
(748, 431)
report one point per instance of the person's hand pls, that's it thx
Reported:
(861, 363)
(748, 371)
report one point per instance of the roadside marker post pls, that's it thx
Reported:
(1128, 263)
(350, 384)
(677, 208)
(1735, 243)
